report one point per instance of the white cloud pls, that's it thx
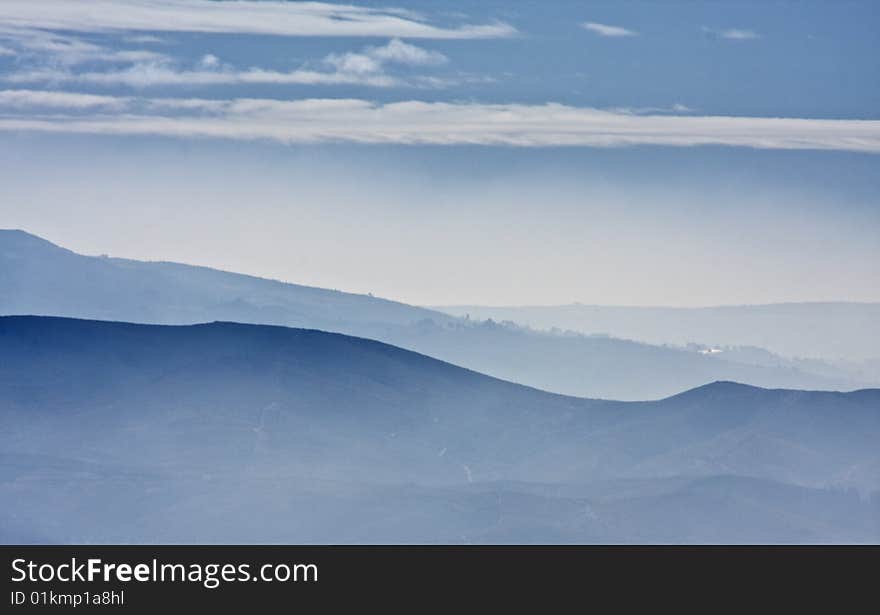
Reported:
(351, 62)
(416, 122)
(733, 34)
(66, 50)
(271, 17)
(144, 39)
(29, 99)
(366, 67)
(373, 59)
(209, 60)
(404, 53)
(151, 74)
(605, 30)
(676, 108)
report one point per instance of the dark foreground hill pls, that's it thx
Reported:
(113, 432)
(38, 277)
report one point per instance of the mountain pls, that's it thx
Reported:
(849, 331)
(226, 432)
(38, 277)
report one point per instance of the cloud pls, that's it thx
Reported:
(732, 34)
(676, 108)
(351, 62)
(209, 60)
(403, 53)
(29, 99)
(146, 39)
(366, 68)
(422, 123)
(150, 74)
(270, 17)
(373, 59)
(605, 30)
(66, 50)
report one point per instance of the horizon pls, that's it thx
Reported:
(440, 307)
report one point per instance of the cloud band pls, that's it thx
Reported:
(421, 123)
(234, 16)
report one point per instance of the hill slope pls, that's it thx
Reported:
(839, 330)
(231, 432)
(38, 277)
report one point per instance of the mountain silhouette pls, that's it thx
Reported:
(40, 278)
(228, 432)
(829, 330)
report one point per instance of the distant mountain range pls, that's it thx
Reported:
(830, 330)
(38, 277)
(224, 432)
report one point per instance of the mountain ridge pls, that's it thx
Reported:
(718, 385)
(38, 277)
(231, 431)
(832, 330)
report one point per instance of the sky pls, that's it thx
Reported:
(636, 153)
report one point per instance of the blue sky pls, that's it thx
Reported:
(679, 153)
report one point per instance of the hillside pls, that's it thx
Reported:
(38, 277)
(237, 432)
(832, 330)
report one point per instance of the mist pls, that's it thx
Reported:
(508, 228)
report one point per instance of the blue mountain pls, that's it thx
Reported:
(226, 432)
(38, 277)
